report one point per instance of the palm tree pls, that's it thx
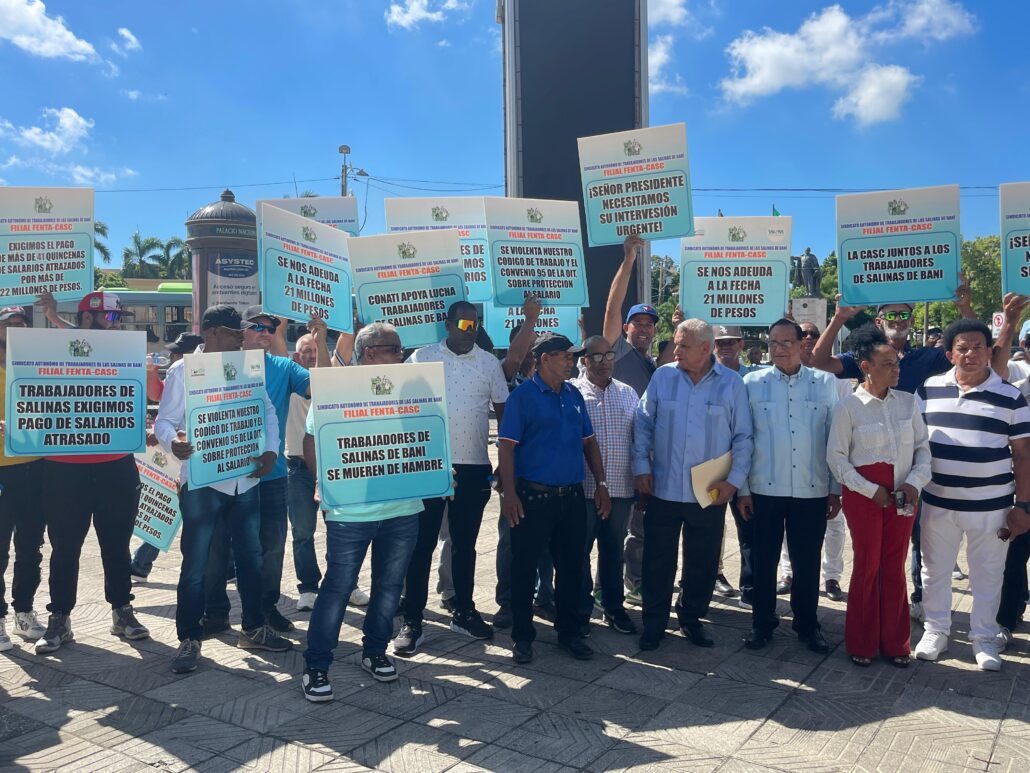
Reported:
(100, 232)
(175, 261)
(139, 259)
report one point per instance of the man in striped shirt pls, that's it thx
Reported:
(980, 447)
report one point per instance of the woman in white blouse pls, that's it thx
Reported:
(878, 450)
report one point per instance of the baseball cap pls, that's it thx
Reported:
(101, 300)
(255, 312)
(13, 311)
(727, 331)
(549, 343)
(641, 308)
(186, 343)
(221, 315)
(880, 308)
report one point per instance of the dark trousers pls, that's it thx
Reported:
(610, 535)
(745, 538)
(105, 494)
(1013, 587)
(20, 517)
(273, 546)
(702, 529)
(303, 521)
(805, 524)
(560, 521)
(916, 570)
(464, 517)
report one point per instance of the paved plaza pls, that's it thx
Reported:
(107, 705)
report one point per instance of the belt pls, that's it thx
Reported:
(292, 461)
(556, 491)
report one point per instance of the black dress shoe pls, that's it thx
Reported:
(502, 617)
(815, 641)
(546, 612)
(650, 641)
(522, 652)
(783, 586)
(578, 648)
(723, 587)
(698, 635)
(757, 639)
(833, 591)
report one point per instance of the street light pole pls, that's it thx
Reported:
(344, 150)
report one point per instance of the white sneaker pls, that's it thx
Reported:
(27, 626)
(306, 602)
(931, 646)
(1003, 639)
(915, 611)
(5, 640)
(986, 653)
(358, 598)
(958, 574)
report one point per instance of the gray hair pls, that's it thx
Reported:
(370, 335)
(697, 328)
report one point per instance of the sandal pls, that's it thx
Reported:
(901, 661)
(863, 662)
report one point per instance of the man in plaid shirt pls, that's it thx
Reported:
(610, 405)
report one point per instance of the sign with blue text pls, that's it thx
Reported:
(305, 269)
(637, 181)
(898, 246)
(73, 392)
(225, 414)
(46, 243)
(536, 248)
(501, 320)
(381, 433)
(340, 212)
(736, 270)
(159, 517)
(466, 213)
(1015, 238)
(408, 280)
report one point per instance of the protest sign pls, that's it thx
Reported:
(464, 213)
(736, 270)
(225, 414)
(536, 248)
(46, 243)
(636, 181)
(898, 246)
(340, 212)
(159, 517)
(408, 280)
(305, 269)
(499, 321)
(381, 433)
(74, 392)
(1015, 238)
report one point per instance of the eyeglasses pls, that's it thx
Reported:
(780, 344)
(113, 316)
(809, 333)
(391, 348)
(600, 357)
(891, 316)
(261, 327)
(465, 325)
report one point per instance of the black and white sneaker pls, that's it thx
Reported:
(409, 639)
(317, 688)
(471, 624)
(380, 667)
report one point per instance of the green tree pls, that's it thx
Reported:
(665, 279)
(105, 279)
(981, 265)
(100, 232)
(140, 258)
(175, 260)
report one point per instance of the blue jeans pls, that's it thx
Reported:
(272, 534)
(544, 570)
(303, 520)
(204, 511)
(144, 557)
(610, 534)
(393, 542)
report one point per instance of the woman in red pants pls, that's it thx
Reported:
(879, 451)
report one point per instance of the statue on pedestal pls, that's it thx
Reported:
(811, 274)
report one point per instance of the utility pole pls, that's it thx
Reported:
(344, 150)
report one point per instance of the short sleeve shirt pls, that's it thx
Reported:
(283, 377)
(632, 367)
(917, 365)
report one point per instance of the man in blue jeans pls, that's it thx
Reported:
(234, 501)
(390, 528)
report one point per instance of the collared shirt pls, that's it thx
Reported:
(743, 369)
(679, 424)
(549, 429)
(916, 365)
(283, 377)
(631, 367)
(868, 430)
(791, 417)
(611, 410)
(970, 436)
(472, 380)
(171, 417)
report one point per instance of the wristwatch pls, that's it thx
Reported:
(605, 484)
(1024, 506)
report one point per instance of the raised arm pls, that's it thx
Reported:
(1012, 306)
(822, 354)
(964, 298)
(523, 341)
(620, 285)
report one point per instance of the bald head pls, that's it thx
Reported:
(307, 352)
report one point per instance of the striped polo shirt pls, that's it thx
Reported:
(969, 441)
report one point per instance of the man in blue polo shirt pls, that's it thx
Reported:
(544, 435)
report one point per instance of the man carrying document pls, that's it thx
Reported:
(693, 411)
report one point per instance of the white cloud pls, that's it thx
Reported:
(129, 42)
(444, 43)
(928, 20)
(675, 13)
(659, 55)
(877, 94)
(408, 14)
(65, 130)
(26, 24)
(132, 94)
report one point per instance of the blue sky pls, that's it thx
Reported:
(130, 96)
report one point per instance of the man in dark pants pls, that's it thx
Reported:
(544, 436)
(789, 484)
(1013, 589)
(694, 410)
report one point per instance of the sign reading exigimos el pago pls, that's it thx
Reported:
(636, 181)
(46, 243)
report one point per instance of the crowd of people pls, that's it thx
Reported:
(909, 449)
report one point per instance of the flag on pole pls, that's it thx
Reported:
(776, 212)
(721, 214)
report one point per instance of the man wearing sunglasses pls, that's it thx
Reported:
(102, 489)
(474, 380)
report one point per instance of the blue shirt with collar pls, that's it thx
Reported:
(548, 429)
(283, 377)
(679, 424)
(791, 417)
(917, 365)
